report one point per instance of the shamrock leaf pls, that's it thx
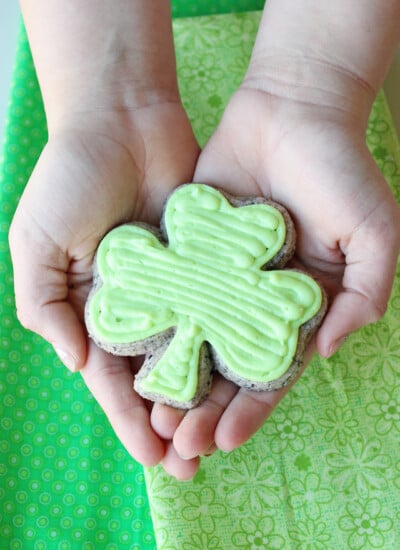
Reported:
(205, 285)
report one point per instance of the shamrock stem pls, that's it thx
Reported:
(176, 373)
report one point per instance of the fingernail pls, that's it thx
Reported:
(187, 457)
(66, 358)
(211, 450)
(335, 346)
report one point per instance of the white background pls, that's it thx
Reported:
(9, 23)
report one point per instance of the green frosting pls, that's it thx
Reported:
(207, 282)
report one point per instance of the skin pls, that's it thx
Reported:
(119, 141)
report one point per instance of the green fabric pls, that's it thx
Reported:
(191, 8)
(322, 473)
(66, 482)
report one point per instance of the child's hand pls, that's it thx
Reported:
(119, 141)
(91, 177)
(295, 132)
(348, 224)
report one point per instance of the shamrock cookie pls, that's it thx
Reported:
(207, 291)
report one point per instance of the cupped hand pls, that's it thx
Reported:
(97, 170)
(313, 160)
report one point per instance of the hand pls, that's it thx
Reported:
(97, 171)
(119, 142)
(312, 159)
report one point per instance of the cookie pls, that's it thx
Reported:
(206, 291)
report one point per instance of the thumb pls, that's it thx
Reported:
(41, 293)
(218, 164)
(371, 258)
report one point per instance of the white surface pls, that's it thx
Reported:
(9, 22)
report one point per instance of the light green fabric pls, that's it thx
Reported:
(323, 472)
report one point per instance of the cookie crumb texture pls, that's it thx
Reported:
(206, 292)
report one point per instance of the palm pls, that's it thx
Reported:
(89, 200)
(323, 173)
(86, 182)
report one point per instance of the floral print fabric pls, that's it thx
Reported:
(324, 471)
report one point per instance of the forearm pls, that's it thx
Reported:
(337, 52)
(101, 55)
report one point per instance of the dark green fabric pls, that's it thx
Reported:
(191, 8)
(65, 480)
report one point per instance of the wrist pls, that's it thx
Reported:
(312, 82)
(118, 81)
(109, 101)
(334, 55)
(101, 56)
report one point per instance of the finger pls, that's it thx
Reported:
(371, 258)
(350, 310)
(195, 434)
(110, 380)
(248, 410)
(220, 165)
(165, 420)
(177, 467)
(244, 417)
(211, 450)
(41, 293)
